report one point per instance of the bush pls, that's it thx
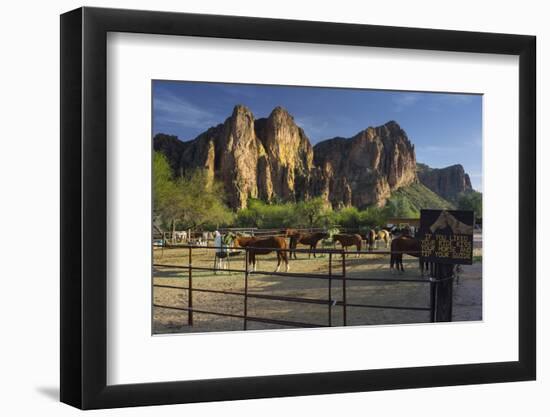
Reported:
(362, 220)
(473, 201)
(400, 206)
(267, 216)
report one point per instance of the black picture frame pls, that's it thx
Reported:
(84, 207)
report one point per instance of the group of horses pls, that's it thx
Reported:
(408, 245)
(400, 244)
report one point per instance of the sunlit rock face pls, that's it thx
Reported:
(273, 159)
(364, 169)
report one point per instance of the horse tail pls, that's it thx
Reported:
(293, 245)
(393, 255)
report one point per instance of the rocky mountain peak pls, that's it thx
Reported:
(448, 182)
(273, 159)
(365, 169)
(280, 113)
(392, 126)
(241, 110)
(289, 153)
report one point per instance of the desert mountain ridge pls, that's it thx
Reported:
(272, 159)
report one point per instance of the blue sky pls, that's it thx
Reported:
(446, 129)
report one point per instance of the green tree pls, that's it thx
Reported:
(191, 200)
(263, 215)
(162, 181)
(399, 206)
(348, 217)
(313, 211)
(253, 215)
(200, 200)
(165, 196)
(372, 217)
(471, 201)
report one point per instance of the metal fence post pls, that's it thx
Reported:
(190, 290)
(344, 298)
(433, 286)
(245, 288)
(330, 289)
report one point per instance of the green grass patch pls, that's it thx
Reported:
(421, 197)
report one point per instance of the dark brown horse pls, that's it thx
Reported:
(405, 245)
(263, 246)
(349, 240)
(310, 239)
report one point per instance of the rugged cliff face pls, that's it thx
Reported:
(269, 158)
(288, 158)
(365, 169)
(448, 182)
(272, 159)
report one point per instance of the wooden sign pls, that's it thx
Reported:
(447, 236)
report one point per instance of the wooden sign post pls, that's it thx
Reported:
(446, 239)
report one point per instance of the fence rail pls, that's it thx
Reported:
(329, 277)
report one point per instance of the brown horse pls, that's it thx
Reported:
(290, 232)
(311, 239)
(263, 246)
(349, 240)
(405, 245)
(243, 241)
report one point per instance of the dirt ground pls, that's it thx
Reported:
(467, 295)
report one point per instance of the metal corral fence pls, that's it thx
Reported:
(434, 282)
(162, 238)
(254, 231)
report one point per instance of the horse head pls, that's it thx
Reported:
(239, 240)
(457, 226)
(441, 223)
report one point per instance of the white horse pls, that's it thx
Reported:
(383, 235)
(180, 236)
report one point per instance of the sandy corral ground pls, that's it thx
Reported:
(466, 305)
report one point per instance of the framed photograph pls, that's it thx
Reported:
(256, 208)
